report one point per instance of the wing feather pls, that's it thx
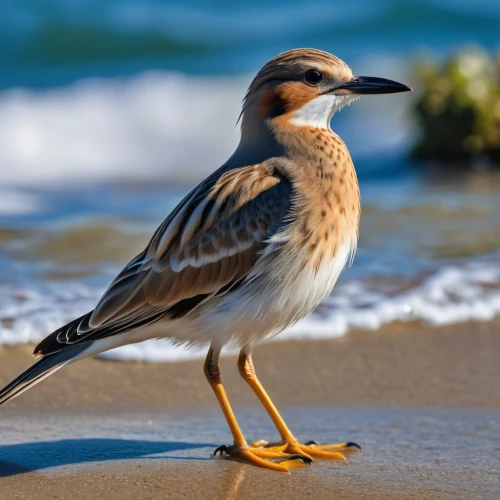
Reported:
(207, 246)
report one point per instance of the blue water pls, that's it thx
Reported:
(49, 43)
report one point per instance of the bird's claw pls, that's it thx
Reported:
(349, 444)
(311, 449)
(266, 458)
(352, 444)
(221, 450)
(296, 456)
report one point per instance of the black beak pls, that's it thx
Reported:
(372, 85)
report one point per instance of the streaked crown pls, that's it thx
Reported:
(293, 64)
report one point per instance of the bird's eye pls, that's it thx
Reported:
(313, 76)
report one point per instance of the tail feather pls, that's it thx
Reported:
(36, 373)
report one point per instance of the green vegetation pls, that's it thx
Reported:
(459, 110)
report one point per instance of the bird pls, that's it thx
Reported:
(250, 251)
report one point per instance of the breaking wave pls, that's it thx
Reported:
(451, 295)
(153, 125)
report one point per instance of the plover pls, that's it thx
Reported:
(250, 251)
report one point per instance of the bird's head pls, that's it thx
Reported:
(306, 87)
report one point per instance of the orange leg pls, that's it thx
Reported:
(289, 443)
(240, 449)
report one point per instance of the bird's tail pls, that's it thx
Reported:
(40, 370)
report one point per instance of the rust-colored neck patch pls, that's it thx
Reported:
(285, 98)
(271, 104)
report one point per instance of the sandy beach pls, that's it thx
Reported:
(423, 402)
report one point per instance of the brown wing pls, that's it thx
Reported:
(207, 246)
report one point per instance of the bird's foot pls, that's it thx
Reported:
(311, 449)
(274, 459)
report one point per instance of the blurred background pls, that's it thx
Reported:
(110, 110)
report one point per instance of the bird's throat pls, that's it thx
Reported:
(318, 112)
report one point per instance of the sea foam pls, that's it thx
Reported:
(451, 295)
(101, 129)
(154, 125)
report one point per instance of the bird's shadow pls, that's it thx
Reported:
(34, 456)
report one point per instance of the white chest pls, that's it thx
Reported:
(314, 285)
(267, 306)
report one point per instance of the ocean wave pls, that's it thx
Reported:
(62, 32)
(157, 125)
(153, 124)
(451, 295)
(14, 202)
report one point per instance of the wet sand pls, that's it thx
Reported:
(423, 402)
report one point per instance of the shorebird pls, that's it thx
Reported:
(250, 251)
